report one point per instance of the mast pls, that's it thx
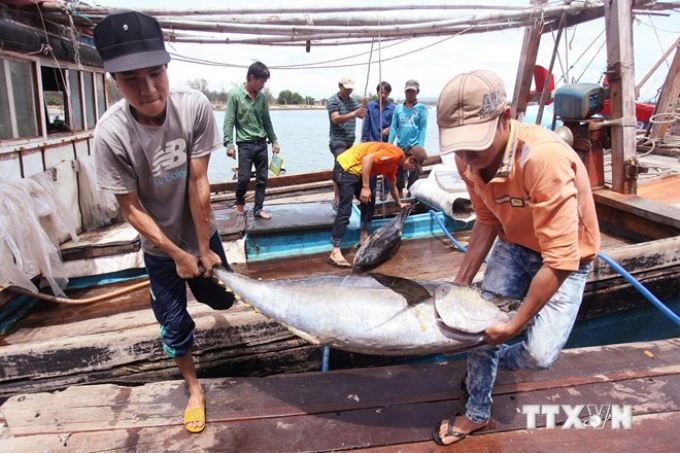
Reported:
(525, 68)
(618, 18)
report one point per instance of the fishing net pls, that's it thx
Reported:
(31, 220)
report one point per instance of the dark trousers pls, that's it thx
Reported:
(169, 298)
(250, 153)
(349, 186)
(406, 180)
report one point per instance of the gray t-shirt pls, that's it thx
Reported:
(154, 161)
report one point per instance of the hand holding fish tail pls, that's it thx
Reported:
(206, 263)
(187, 265)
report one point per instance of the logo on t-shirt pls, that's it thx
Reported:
(165, 160)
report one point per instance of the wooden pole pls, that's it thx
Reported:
(621, 75)
(544, 88)
(525, 68)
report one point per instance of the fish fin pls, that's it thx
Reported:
(413, 292)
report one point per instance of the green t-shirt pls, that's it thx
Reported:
(249, 116)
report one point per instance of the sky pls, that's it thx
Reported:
(431, 61)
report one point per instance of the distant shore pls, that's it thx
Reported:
(222, 107)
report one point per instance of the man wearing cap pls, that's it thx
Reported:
(248, 112)
(152, 150)
(536, 214)
(343, 110)
(409, 126)
(352, 173)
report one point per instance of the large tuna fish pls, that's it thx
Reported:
(374, 314)
(381, 245)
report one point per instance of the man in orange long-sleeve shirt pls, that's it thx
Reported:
(534, 206)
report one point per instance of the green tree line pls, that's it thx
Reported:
(285, 97)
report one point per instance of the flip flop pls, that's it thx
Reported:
(196, 414)
(449, 431)
(344, 264)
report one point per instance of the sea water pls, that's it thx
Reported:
(303, 138)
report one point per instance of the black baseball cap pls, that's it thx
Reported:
(129, 40)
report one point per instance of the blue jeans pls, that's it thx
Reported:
(169, 298)
(509, 272)
(250, 153)
(349, 186)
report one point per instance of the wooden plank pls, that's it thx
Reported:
(277, 181)
(665, 190)
(85, 353)
(631, 214)
(650, 433)
(638, 258)
(351, 429)
(91, 407)
(109, 240)
(229, 224)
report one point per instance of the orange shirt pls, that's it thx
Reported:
(386, 159)
(540, 196)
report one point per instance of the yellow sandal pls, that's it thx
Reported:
(196, 414)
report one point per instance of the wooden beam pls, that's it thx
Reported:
(621, 76)
(525, 68)
(631, 215)
(278, 181)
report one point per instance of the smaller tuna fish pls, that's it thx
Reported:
(381, 245)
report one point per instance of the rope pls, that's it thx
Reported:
(67, 301)
(381, 180)
(368, 71)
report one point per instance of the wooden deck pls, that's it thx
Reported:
(385, 409)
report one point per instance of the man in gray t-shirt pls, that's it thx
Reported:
(152, 151)
(343, 110)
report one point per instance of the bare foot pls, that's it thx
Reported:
(239, 209)
(462, 426)
(264, 215)
(337, 260)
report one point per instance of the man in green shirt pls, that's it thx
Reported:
(248, 112)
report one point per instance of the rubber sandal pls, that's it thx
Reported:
(196, 414)
(450, 432)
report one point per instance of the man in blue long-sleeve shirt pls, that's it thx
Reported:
(409, 125)
(378, 119)
(376, 127)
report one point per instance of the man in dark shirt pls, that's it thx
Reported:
(343, 110)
